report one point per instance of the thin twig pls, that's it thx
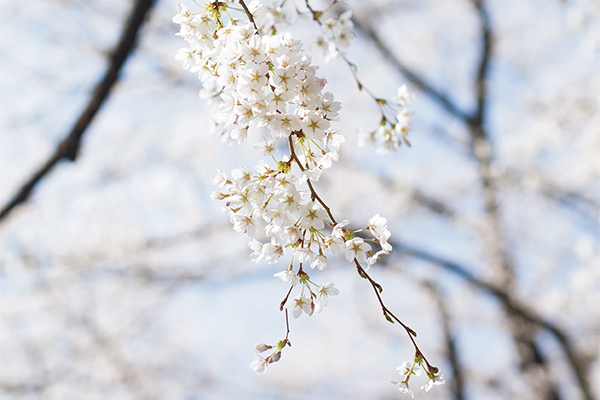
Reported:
(512, 306)
(389, 315)
(249, 14)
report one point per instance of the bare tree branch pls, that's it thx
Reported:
(458, 385)
(69, 147)
(413, 77)
(482, 151)
(511, 305)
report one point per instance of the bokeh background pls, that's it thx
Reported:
(121, 279)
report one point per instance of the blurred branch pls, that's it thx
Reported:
(69, 147)
(368, 31)
(21, 389)
(482, 151)
(458, 386)
(581, 206)
(512, 306)
(482, 71)
(587, 209)
(432, 204)
(533, 363)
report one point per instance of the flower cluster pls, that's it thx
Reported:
(395, 126)
(336, 34)
(260, 79)
(266, 81)
(409, 369)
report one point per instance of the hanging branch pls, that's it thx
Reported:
(69, 147)
(512, 306)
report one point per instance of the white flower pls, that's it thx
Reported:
(288, 200)
(433, 380)
(273, 250)
(291, 233)
(244, 223)
(284, 124)
(311, 174)
(183, 15)
(334, 244)
(312, 216)
(304, 255)
(404, 97)
(257, 253)
(288, 276)
(357, 248)
(320, 262)
(259, 365)
(334, 140)
(240, 134)
(329, 107)
(377, 226)
(373, 259)
(323, 293)
(242, 176)
(314, 126)
(300, 303)
(220, 179)
(254, 75)
(403, 387)
(286, 181)
(253, 51)
(405, 369)
(267, 147)
(188, 57)
(338, 230)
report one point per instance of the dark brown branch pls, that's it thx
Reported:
(432, 204)
(484, 66)
(389, 315)
(530, 354)
(512, 306)
(69, 147)
(482, 151)
(458, 381)
(249, 15)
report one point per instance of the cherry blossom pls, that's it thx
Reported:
(299, 304)
(256, 78)
(323, 293)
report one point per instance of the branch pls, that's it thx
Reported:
(69, 147)
(511, 306)
(413, 77)
(458, 383)
(484, 63)
(249, 15)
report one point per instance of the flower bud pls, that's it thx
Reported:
(259, 348)
(275, 357)
(217, 196)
